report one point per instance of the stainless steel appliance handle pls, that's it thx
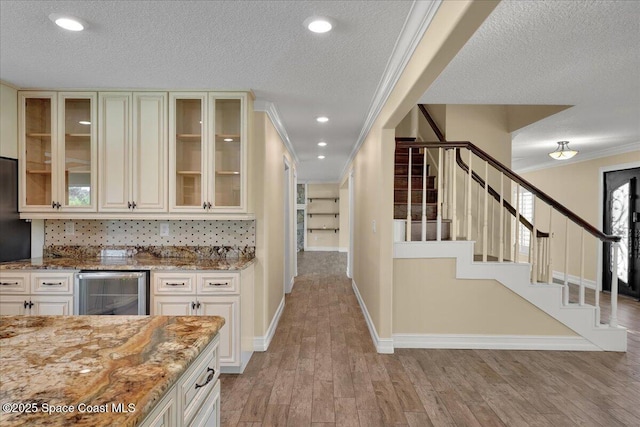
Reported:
(109, 275)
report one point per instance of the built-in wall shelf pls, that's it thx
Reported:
(311, 230)
(39, 135)
(335, 199)
(335, 214)
(189, 172)
(227, 172)
(192, 136)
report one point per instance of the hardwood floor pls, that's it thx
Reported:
(321, 369)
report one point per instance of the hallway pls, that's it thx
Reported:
(322, 369)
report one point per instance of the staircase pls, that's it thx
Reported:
(401, 194)
(486, 215)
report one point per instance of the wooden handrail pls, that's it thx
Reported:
(518, 179)
(432, 123)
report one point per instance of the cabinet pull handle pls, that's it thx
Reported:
(30, 304)
(26, 304)
(219, 284)
(193, 305)
(52, 284)
(204, 205)
(53, 205)
(9, 284)
(175, 284)
(58, 205)
(129, 205)
(209, 205)
(198, 305)
(133, 205)
(212, 374)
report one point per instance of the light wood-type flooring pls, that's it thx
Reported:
(321, 369)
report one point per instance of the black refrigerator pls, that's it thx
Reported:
(15, 234)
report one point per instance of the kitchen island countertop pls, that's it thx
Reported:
(94, 370)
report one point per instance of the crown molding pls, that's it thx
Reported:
(271, 110)
(417, 22)
(621, 149)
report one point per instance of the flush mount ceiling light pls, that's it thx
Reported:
(322, 144)
(318, 24)
(67, 22)
(322, 119)
(563, 152)
(228, 139)
(321, 157)
(84, 122)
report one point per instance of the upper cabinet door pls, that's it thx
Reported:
(114, 141)
(38, 152)
(187, 151)
(150, 150)
(77, 151)
(228, 158)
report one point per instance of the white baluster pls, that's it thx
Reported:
(581, 295)
(454, 211)
(597, 300)
(469, 181)
(409, 199)
(516, 246)
(501, 232)
(613, 319)
(424, 194)
(478, 228)
(493, 225)
(485, 219)
(533, 242)
(439, 207)
(549, 246)
(565, 287)
(445, 182)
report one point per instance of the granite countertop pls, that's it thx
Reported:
(92, 362)
(127, 263)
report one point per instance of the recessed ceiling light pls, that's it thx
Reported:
(84, 122)
(322, 144)
(322, 119)
(321, 157)
(228, 139)
(67, 22)
(318, 24)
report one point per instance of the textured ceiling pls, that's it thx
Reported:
(225, 45)
(585, 54)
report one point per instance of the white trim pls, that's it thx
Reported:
(291, 283)
(262, 343)
(600, 224)
(271, 110)
(383, 345)
(417, 22)
(245, 356)
(343, 250)
(322, 249)
(607, 152)
(574, 280)
(494, 342)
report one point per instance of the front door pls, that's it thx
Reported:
(622, 218)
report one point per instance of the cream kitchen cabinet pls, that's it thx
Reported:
(225, 294)
(208, 152)
(37, 293)
(58, 152)
(132, 143)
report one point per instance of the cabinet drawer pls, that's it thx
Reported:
(199, 381)
(215, 283)
(174, 283)
(209, 413)
(51, 283)
(14, 282)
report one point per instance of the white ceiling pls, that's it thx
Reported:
(224, 45)
(585, 54)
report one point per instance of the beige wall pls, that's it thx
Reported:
(322, 240)
(451, 27)
(428, 299)
(267, 185)
(576, 186)
(343, 234)
(8, 121)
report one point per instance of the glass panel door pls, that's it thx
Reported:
(188, 155)
(39, 154)
(228, 151)
(78, 145)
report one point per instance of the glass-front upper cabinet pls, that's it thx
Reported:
(57, 151)
(207, 152)
(187, 178)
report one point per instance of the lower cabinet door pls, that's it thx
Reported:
(52, 305)
(229, 308)
(173, 306)
(14, 305)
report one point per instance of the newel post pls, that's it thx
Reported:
(613, 320)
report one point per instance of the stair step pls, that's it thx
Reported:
(400, 211)
(400, 196)
(403, 169)
(402, 182)
(432, 228)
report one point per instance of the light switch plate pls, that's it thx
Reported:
(164, 229)
(69, 228)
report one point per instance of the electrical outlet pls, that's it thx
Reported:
(373, 226)
(69, 228)
(164, 229)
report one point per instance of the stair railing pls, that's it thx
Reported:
(540, 251)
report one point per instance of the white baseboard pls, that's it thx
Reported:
(383, 345)
(343, 249)
(574, 280)
(494, 342)
(245, 356)
(321, 249)
(262, 343)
